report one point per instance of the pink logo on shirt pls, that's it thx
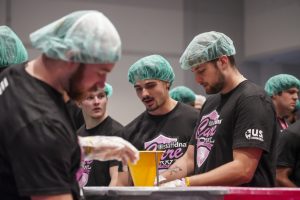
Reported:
(173, 149)
(204, 135)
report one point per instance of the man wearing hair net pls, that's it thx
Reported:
(98, 122)
(283, 89)
(183, 94)
(166, 124)
(40, 154)
(12, 50)
(234, 141)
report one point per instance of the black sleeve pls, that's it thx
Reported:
(40, 157)
(254, 123)
(287, 149)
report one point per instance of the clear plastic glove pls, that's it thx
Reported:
(108, 148)
(176, 183)
(161, 180)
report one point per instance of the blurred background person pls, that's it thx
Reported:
(199, 101)
(183, 94)
(295, 115)
(288, 162)
(12, 50)
(283, 89)
(98, 122)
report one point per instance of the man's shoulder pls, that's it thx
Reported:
(251, 89)
(187, 110)
(136, 120)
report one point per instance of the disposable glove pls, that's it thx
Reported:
(176, 183)
(108, 148)
(161, 180)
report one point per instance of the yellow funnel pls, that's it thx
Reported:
(145, 170)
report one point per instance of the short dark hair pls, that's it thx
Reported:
(230, 58)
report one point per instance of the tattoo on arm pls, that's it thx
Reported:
(174, 170)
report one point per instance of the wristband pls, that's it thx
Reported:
(187, 181)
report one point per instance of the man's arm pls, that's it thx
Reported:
(113, 172)
(183, 167)
(124, 178)
(53, 197)
(282, 177)
(237, 172)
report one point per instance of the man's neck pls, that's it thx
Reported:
(93, 122)
(233, 81)
(51, 75)
(168, 106)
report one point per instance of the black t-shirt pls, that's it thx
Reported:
(75, 114)
(93, 172)
(170, 132)
(244, 117)
(289, 151)
(39, 151)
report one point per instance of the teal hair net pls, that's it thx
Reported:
(108, 89)
(151, 67)
(206, 47)
(281, 82)
(12, 50)
(82, 36)
(183, 94)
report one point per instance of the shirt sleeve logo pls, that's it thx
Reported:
(254, 134)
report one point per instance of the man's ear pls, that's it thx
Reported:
(168, 86)
(224, 61)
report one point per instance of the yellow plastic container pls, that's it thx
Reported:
(145, 170)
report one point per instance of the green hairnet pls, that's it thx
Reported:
(108, 89)
(151, 67)
(82, 36)
(12, 50)
(281, 82)
(206, 47)
(183, 94)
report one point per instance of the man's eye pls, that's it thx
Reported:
(150, 86)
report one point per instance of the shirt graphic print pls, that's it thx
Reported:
(204, 135)
(173, 149)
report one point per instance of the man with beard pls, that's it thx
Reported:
(283, 89)
(98, 122)
(166, 125)
(235, 139)
(39, 151)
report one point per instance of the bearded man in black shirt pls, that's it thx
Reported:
(39, 150)
(235, 140)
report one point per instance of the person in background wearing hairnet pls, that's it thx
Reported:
(98, 122)
(295, 115)
(39, 151)
(199, 101)
(12, 50)
(235, 139)
(183, 94)
(288, 161)
(165, 125)
(283, 89)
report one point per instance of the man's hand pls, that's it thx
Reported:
(176, 183)
(108, 148)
